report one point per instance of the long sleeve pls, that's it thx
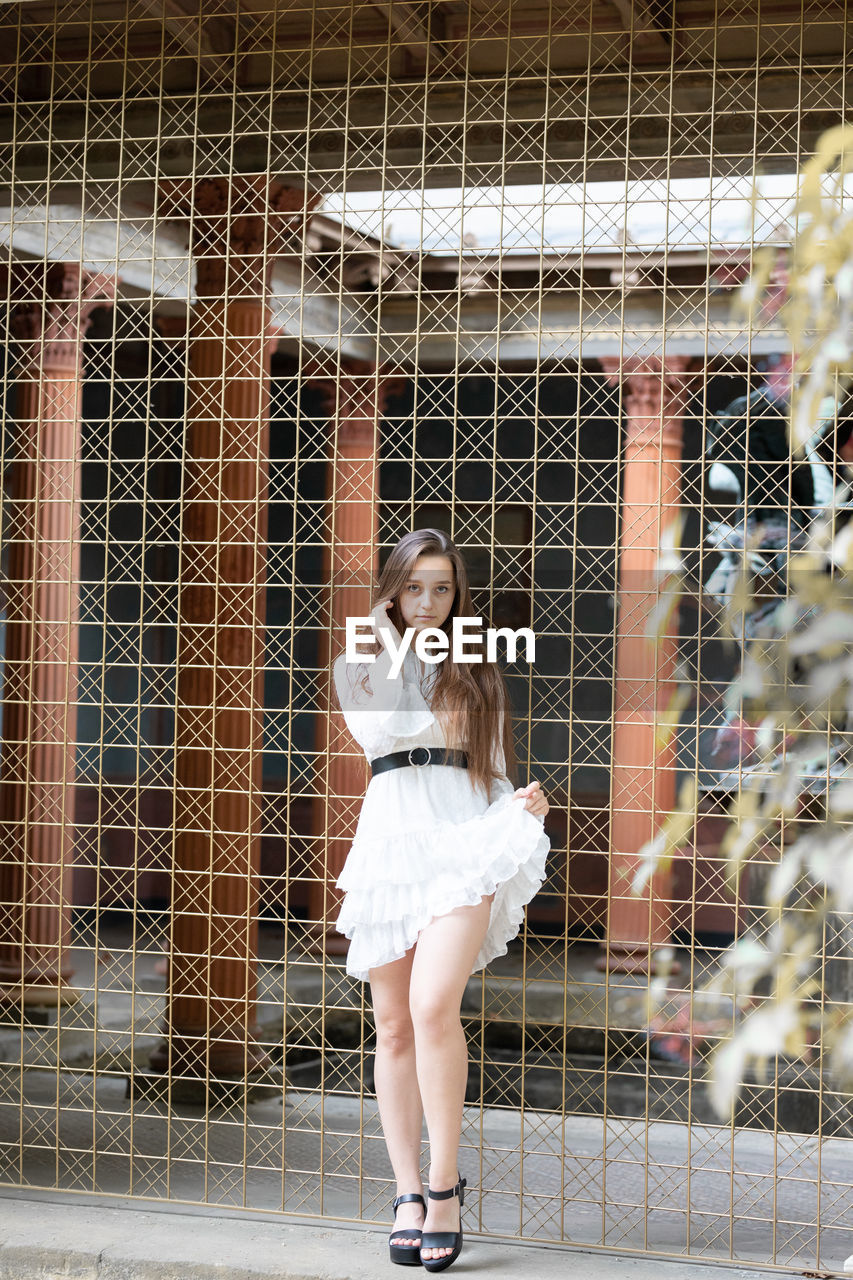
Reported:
(502, 790)
(390, 709)
(500, 786)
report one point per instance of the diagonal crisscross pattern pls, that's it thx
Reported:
(283, 281)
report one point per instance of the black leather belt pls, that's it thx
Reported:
(419, 756)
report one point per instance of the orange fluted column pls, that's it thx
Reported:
(643, 774)
(355, 402)
(51, 310)
(237, 227)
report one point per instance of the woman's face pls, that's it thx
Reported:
(427, 597)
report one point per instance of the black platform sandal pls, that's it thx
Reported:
(407, 1255)
(444, 1239)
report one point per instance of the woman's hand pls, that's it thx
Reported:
(381, 621)
(535, 802)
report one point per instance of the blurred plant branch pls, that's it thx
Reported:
(796, 678)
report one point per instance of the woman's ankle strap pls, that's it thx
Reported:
(446, 1195)
(411, 1198)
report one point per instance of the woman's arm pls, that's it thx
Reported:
(499, 786)
(386, 710)
(535, 801)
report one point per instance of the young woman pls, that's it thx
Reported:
(446, 855)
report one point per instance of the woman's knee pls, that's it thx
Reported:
(395, 1034)
(433, 1012)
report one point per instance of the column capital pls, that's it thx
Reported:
(656, 392)
(52, 305)
(237, 227)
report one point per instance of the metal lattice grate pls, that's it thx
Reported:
(282, 283)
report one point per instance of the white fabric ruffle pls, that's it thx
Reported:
(395, 885)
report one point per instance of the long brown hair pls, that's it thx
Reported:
(474, 694)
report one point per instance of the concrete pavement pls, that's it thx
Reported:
(591, 1174)
(78, 1239)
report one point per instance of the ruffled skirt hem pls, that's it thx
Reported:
(395, 886)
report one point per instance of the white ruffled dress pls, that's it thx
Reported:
(427, 841)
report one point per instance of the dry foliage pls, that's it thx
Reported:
(796, 683)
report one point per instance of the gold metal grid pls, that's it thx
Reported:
(236, 237)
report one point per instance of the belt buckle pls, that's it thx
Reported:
(419, 763)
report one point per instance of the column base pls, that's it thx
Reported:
(221, 1057)
(620, 957)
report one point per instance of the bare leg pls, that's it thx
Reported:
(397, 1093)
(444, 956)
